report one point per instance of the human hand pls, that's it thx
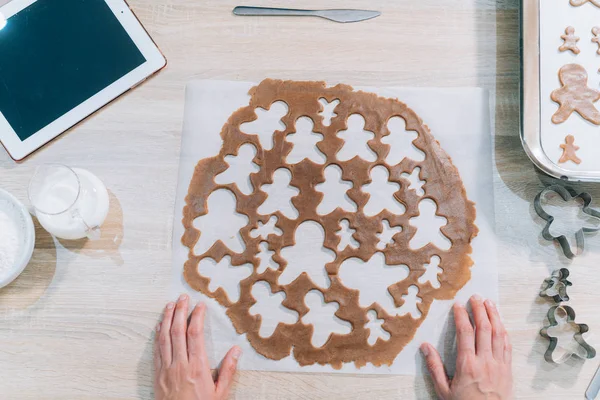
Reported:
(181, 369)
(484, 357)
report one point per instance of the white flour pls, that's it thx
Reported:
(9, 242)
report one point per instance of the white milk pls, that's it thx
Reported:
(91, 206)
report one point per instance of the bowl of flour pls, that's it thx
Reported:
(17, 238)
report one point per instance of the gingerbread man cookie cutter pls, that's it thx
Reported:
(567, 194)
(556, 286)
(574, 95)
(584, 350)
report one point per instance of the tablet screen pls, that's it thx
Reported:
(56, 54)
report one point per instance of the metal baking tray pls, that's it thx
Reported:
(542, 24)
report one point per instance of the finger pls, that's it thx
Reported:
(483, 327)
(195, 337)
(164, 337)
(156, 353)
(507, 350)
(465, 340)
(227, 371)
(498, 331)
(437, 370)
(179, 330)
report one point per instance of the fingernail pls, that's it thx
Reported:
(425, 350)
(490, 303)
(183, 297)
(459, 304)
(158, 327)
(476, 297)
(170, 306)
(237, 353)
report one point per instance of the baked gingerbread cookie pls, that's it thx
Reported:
(294, 278)
(575, 96)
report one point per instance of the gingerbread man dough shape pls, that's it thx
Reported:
(578, 3)
(569, 150)
(570, 41)
(596, 38)
(575, 95)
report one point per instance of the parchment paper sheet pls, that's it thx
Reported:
(458, 118)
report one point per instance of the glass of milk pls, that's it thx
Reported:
(70, 203)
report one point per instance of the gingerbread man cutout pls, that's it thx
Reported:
(569, 150)
(578, 3)
(570, 41)
(596, 38)
(575, 95)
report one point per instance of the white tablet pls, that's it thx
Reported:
(61, 60)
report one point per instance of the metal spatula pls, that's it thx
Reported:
(594, 388)
(333, 15)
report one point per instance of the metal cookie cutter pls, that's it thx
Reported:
(584, 350)
(567, 194)
(556, 286)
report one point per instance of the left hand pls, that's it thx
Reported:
(181, 368)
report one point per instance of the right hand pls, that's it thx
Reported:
(484, 357)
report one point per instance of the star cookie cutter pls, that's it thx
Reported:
(556, 286)
(584, 350)
(567, 194)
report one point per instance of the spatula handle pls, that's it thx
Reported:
(270, 11)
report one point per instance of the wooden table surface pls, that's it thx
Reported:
(78, 323)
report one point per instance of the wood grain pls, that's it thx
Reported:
(78, 323)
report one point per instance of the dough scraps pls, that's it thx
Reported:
(443, 186)
(575, 95)
(569, 151)
(570, 41)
